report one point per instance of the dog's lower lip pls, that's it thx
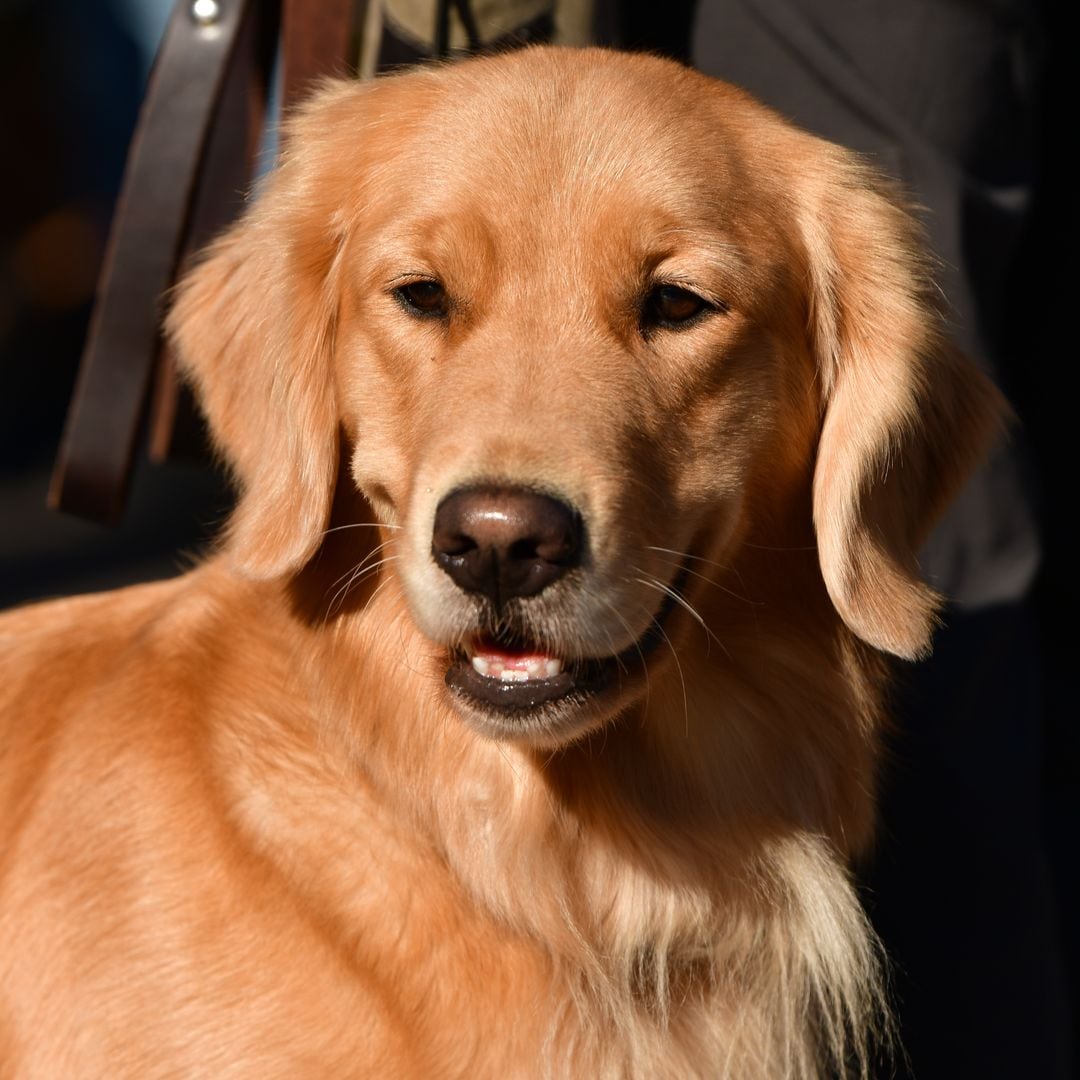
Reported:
(517, 696)
(515, 676)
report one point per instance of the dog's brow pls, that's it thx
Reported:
(717, 269)
(700, 248)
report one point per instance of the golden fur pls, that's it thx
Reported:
(246, 831)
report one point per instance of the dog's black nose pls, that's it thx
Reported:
(505, 542)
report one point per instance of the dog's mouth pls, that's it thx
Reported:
(514, 676)
(510, 687)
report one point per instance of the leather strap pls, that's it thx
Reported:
(316, 40)
(229, 159)
(94, 463)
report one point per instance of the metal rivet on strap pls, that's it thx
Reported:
(205, 12)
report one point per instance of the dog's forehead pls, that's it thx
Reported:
(572, 131)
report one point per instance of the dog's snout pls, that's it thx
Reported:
(505, 542)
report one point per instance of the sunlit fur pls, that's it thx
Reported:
(245, 830)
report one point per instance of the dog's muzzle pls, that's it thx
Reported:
(506, 545)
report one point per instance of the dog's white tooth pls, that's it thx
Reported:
(535, 668)
(481, 666)
(513, 675)
(552, 667)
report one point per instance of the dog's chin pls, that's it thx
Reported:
(512, 689)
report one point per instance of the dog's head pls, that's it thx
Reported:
(588, 322)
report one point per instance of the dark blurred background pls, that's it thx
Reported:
(72, 74)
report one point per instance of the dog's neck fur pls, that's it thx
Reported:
(646, 908)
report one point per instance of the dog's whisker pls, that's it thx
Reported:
(369, 570)
(361, 577)
(613, 650)
(360, 574)
(637, 649)
(341, 592)
(364, 561)
(679, 599)
(360, 525)
(378, 589)
(684, 555)
(682, 678)
(723, 588)
(352, 570)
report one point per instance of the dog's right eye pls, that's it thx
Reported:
(426, 298)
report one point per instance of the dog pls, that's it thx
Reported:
(586, 418)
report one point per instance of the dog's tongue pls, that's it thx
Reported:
(510, 663)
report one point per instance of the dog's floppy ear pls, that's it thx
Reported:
(253, 325)
(906, 416)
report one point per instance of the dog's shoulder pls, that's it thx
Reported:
(51, 649)
(82, 676)
(130, 826)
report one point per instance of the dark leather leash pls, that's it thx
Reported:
(189, 164)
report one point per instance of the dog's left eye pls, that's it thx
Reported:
(672, 307)
(426, 298)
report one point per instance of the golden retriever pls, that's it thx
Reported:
(586, 417)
